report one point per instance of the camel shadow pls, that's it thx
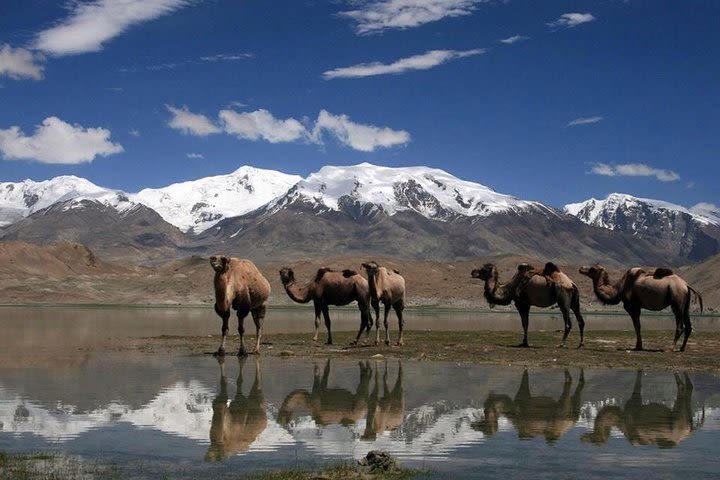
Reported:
(534, 416)
(236, 424)
(648, 424)
(649, 350)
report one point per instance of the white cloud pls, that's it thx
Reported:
(570, 20)
(191, 123)
(374, 16)
(226, 57)
(423, 61)
(634, 170)
(56, 141)
(514, 39)
(18, 63)
(584, 121)
(134, 132)
(195, 156)
(92, 24)
(365, 138)
(261, 124)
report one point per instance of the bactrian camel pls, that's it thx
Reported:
(653, 289)
(236, 425)
(386, 286)
(529, 288)
(239, 285)
(534, 416)
(331, 288)
(648, 424)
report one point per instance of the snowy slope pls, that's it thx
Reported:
(199, 204)
(605, 213)
(18, 200)
(430, 192)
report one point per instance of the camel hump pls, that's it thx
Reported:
(662, 272)
(550, 268)
(321, 273)
(349, 273)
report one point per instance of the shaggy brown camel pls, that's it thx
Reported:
(388, 287)
(651, 424)
(538, 416)
(649, 289)
(531, 288)
(239, 285)
(235, 427)
(385, 414)
(331, 288)
(329, 406)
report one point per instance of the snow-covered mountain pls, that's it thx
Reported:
(430, 192)
(21, 199)
(197, 205)
(612, 211)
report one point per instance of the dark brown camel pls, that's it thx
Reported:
(647, 424)
(386, 286)
(235, 427)
(239, 285)
(331, 288)
(654, 289)
(537, 416)
(528, 288)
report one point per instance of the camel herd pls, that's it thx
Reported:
(240, 286)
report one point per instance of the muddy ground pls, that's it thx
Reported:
(606, 349)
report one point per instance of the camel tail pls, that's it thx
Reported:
(698, 296)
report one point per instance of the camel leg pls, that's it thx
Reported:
(687, 325)
(564, 308)
(242, 312)
(385, 323)
(634, 313)
(399, 306)
(575, 307)
(326, 315)
(677, 311)
(258, 317)
(318, 311)
(376, 307)
(225, 316)
(524, 311)
(364, 314)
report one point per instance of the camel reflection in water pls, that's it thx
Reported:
(236, 425)
(329, 405)
(538, 416)
(648, 424)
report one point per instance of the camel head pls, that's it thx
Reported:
(484, 273)
(219, 263)
(287, 276)
(371, 268)
(595, 272)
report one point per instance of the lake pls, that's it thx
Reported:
(195, 416)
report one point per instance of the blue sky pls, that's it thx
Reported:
(582, 99)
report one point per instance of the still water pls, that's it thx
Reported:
(195, 416)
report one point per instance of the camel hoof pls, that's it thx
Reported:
(400, 344)
(387, 343)
(580, 346)
(562, 345)
(242, 353)
(638, 349)
(523, 345)
(219, 353)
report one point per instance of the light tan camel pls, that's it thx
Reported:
(386, 286)
(529, 287)
(649, 289)
(651, 424)
(235, 427)
(386, 413)
(329, 406)
(331, 288)
(239, 285)
(538, 416)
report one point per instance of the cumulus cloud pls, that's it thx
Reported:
(261, 125)
(92, 24)
(191, 123)
(56, 141)
(570, 20)
(584, 121)
(365, 138)
(514, 39)
(424, 61)
(634, 170)
(374, 16)
(19, 63)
